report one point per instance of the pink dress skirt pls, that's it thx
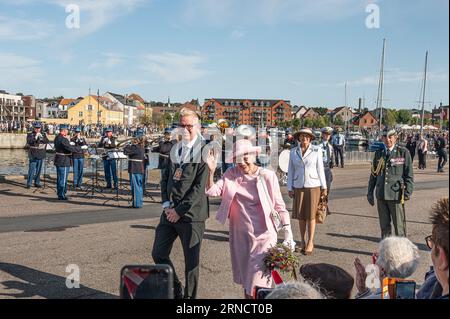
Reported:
(249, 237)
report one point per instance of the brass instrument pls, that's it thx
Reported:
(223, 125)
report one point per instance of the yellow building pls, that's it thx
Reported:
(85, 111)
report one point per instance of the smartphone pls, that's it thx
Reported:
(146, 282)
(405, 290)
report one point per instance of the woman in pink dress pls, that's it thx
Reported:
(249, 194)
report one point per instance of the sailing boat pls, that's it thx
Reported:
(423, 93)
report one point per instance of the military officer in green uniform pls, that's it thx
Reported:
(392, 175)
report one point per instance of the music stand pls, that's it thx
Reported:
(44, 184)
(117, 198)
(95, 186)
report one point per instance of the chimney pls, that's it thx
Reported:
(359, 105)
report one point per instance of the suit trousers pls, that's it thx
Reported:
(78, 165)
(339, 155)
(62, 173)
(34, 172)
(394, 211)
(442, 154)
(110, 167)
(422, 159)
(191, 235)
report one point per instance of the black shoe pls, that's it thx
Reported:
(28, 186)
(38, 186)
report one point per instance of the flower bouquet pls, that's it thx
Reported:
(282, 258)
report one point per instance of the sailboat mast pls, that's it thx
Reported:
(380, 87)
(423, 92)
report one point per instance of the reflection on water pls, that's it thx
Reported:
(15, 162)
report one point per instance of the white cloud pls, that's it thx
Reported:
(396, 75)
(175, 68)
(237, 34)
(17, 69)
(228, 12)
(21, 29)
(110, 60)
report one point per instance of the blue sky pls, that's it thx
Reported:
(299, 50)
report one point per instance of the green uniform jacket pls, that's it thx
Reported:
(397, 171)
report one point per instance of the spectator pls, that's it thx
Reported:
(332, 281)
(438, 242)
(295, 290)
(398, 257)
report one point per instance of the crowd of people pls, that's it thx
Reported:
(88, 130)
(253, 205)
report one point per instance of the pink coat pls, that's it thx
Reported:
(227, 186)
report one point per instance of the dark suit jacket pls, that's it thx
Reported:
(188, 196)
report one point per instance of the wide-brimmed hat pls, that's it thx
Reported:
(306, 131)
(108, 129)
(63, 127)
(327, 130)
(242, 147)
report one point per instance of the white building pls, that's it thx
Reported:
(11, 106)
(130, 111)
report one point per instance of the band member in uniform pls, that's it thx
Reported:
(164, 147)
(108, 142)
(136, 157)
(37, 142)
(78, 158)
(328, 158)
(392, 175)
(63, 159)
(185, 204)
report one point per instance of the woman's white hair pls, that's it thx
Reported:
(398, 257)
(296, 290)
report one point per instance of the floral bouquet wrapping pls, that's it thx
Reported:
(282, 258)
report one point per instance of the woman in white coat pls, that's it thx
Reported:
(306, 183)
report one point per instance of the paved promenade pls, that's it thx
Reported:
(40, 236)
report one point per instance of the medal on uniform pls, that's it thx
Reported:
(178, 174)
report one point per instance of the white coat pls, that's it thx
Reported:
(306, 171)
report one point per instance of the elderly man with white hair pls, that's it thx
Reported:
(397, 257)
(296, 290)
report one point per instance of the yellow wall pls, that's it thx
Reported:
(89, 116)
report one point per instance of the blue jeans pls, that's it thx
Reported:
(110, 167)
(62, 173)
(78, 164)
(35, 167)
(137, 192)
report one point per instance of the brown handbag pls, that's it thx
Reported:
(322, 209)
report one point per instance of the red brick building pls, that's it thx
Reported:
(366, 120)
(29, 104)
(247, 111)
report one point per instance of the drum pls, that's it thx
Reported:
(283, 160)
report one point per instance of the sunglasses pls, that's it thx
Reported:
(187, 126)
(429, 241)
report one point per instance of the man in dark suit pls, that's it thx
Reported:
(185, 204)
(37, 142)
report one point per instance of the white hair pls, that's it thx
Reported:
(398, 257)
(187, 112)
(296, 290)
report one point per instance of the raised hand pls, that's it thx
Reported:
(211, 160)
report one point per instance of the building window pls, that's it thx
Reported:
(80, 114)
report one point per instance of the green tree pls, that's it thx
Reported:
(308, 122)
(338, 121)
(176, 117)
(167, 119)
(404, 116)
(390, 118)
(296, 123)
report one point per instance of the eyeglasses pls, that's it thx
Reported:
(429, 241)
(187, 126)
